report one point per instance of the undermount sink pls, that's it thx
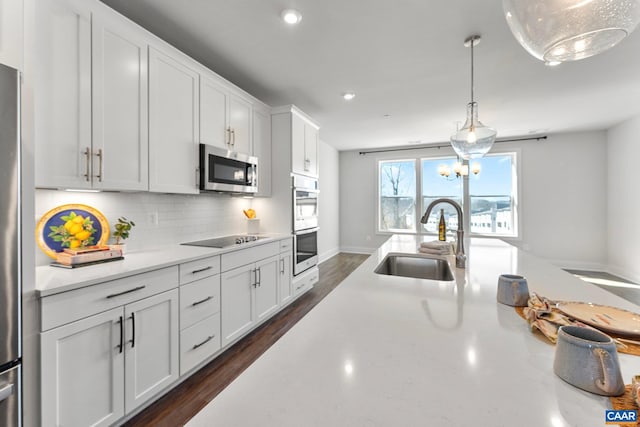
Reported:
(417, 266)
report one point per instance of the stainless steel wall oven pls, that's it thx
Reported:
(305, 222)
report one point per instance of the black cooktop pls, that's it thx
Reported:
(223, 242)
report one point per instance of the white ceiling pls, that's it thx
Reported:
(403, 58)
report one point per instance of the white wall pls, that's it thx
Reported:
(562, 200)
(623, 203)
(181, 218)
(329, 202)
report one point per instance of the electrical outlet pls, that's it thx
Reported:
(153, 218)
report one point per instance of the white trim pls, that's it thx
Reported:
(328, 254)
(357, 250)
(623, 274)
(577, 265)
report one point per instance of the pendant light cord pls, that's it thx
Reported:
(472, 43)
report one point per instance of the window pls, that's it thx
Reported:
(406, 187)
(435, 187)
(397, 190)
(492, 196)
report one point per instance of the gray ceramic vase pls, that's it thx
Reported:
(513, 290)
(588, 359)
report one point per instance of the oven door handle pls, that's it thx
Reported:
(306, 231)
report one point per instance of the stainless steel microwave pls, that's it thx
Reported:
(227, 171)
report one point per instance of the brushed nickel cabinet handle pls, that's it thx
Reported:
(87, 155)
(233, 134)
(100, 162)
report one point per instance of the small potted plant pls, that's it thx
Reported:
(121, 232)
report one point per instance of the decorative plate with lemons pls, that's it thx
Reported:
(72, 226)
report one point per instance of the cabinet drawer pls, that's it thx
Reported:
(198, 300)
(242, 257)
(199, 269)
(66, 307)
(199, 342)
(286, 245)
(305, 281)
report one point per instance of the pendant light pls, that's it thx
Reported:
(474, 139)
(556, 31)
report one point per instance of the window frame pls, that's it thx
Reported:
(378, 162)
(516, 204)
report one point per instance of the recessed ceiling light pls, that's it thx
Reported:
(291, 16)
(349, 96)
(552, 63)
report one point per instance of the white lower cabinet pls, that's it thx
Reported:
(109, 348)
(249, 294)
(284, 280)
(199, 315)
(97, 369)
(151, 356)
(83, 372)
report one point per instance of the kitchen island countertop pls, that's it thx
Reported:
(394, 351)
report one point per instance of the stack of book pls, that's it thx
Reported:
(72, 258)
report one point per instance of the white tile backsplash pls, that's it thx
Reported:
(180, 218)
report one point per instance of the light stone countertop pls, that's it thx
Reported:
(394, 351)
(53, 280)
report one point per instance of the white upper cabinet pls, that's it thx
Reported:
(62, 94)
(310, 149)
(225, 117)
(240, 124)
(213, 114)
(90, 99)
(261, 136)
(173, 125)
(120, 107)
(11, 33)
(304, 144)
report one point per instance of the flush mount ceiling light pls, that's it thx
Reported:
(474, 140)
(557, 31)
(291, 16)
(349, 96)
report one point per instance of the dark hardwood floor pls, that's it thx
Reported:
(187, 399)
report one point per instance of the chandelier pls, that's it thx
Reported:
(458, 169)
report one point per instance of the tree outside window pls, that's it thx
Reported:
(397, 189)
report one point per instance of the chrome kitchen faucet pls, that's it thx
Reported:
(461, 258)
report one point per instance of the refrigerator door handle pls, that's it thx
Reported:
(6, 392)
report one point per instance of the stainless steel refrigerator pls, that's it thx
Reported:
(10, 289)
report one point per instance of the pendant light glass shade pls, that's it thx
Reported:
(567, 30)
(474, 139)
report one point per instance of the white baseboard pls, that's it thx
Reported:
(357, 250)
(577, 265)
(624, 274)
(328, 254)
